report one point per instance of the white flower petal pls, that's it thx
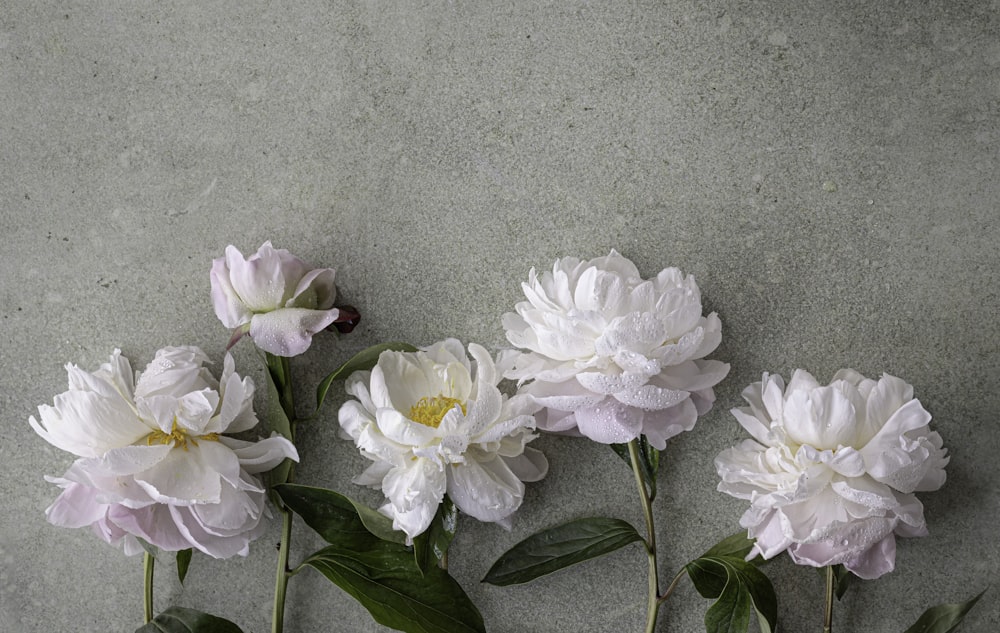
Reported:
(88, 425)
(609, 422)
(488, 491)
(661, 425)
(414, 493)
(531, 465)
(236, 409)
(229, 308)
(263, 455)
(649, 397)
(191, 476)
(353, 418)
(216, 546)
(289, 331)
(153, 524)
(315, 291)
(261, 281)
(563, 396)
(76, 507)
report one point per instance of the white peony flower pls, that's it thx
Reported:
(154, 462)
(832, 472)
(433, 426)
(613, 356)
(274, 296)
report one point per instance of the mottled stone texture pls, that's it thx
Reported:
(827, 169)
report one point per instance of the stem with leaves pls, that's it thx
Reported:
(653, 602)
(828, 616)
(147, 594)
(280, 374)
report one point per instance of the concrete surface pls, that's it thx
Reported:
(827, 169)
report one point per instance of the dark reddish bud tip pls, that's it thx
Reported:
(347, 320)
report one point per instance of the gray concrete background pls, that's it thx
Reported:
(827, 169)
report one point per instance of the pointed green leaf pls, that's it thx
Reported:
(181, 620)
(362, 361)
(736, 546)
(183, 562)
(336, 517)
(382, 575)
(737, 585)
(384, 578)
(431, 547)
(731, 612)
(559, 547)
(280, 424)
(649, 462)
(944, 618)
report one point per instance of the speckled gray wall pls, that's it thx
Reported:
(829, 171)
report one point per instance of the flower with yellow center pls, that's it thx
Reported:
(432, 424)
(430, 411)
(154, 463)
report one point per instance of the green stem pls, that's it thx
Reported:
(147, 594)
(672, 585)
(281, 373)
(828, 617)
(653, 602)
(283, 573)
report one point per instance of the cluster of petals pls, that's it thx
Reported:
(432, 424)
(153, 462)
(274, 297)
(832, 470)
(611, 355)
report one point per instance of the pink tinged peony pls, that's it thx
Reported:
(831, 471)
(611, 355)
(154, 462)
(434, 425)
(274, 296)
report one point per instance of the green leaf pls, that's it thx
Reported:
(431, 547)
(738, 587)
(649, 462)
(944, 618)
(362, 361)
(559, 547)
(736, 546)
(181, 620)
(336, 517)
(382, 575)
(731, 612)
(385, 579)
(183, 562)
(280, 424)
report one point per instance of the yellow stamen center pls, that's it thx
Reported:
(178, 436)
(430, 411)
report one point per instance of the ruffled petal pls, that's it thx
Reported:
(414, 493)
(190, 476)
